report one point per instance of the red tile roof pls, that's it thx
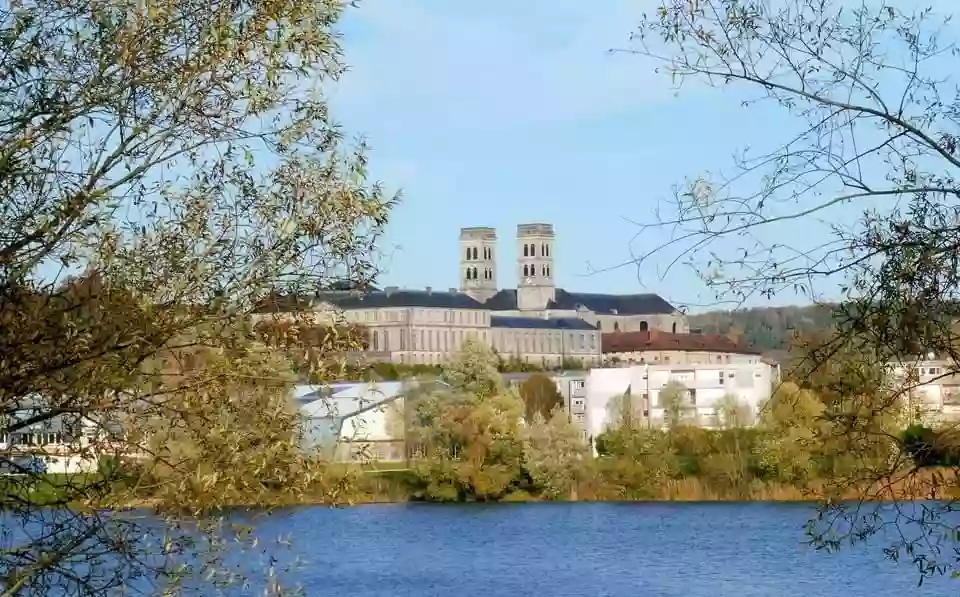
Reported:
(656, 340)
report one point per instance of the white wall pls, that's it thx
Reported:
(373, 424)
(602, 385)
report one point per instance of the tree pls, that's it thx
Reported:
(469, 431)
(733, 413)
(793, 419)
(554, 453)
(624, 411)
(472, 370)
(540, 397)
(176, 163)
(472, 448)
(675, 403)
(876, 132)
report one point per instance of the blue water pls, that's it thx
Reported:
(559, 550)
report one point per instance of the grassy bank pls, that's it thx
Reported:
(390, 483)
(398, 486)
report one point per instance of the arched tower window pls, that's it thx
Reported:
(543, 249)
(533, 271)
(475, 274)
(526, 270)
(599, 325)
(468, 253)
(526, 250)
(548, 271)
(546, 251)
(475, 253)
(673, 328)
(644, 326)
(468, 273)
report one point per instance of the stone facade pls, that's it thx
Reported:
(536, 322)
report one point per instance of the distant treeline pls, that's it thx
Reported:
(771, 329)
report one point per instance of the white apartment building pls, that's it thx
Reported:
(929, 389)
(750, 384)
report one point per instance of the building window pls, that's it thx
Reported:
(599, 325)
(526, 250)
(468, 253)
(468, 273)
(644, 326)
(376, 340)
(533, 271)
(475, 274)
(673, 328)
(616, 326)
(386, 340)
(546, 250)
(526, 271)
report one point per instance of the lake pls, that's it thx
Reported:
(582, 549)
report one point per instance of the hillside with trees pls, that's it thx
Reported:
(771, 329)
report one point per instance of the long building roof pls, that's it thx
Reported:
(656, 340)
(504, 300)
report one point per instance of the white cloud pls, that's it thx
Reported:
(475, 66)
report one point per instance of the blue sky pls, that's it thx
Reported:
(501, 112)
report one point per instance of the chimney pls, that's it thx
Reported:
(429, 290)
(390, 290)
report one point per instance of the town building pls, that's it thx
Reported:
(929, 389)
(655, 347)
(536, 321)
(58, 444)
(705, 389)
